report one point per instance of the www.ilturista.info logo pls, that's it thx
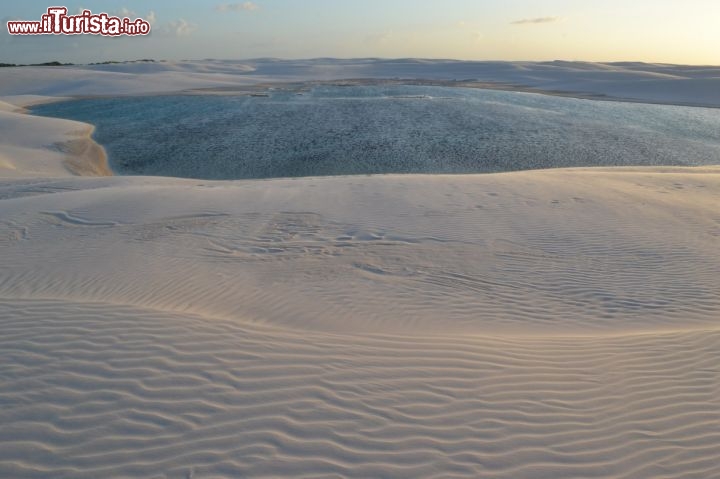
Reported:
(57, 22)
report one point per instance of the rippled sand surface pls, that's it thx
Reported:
(550, 323)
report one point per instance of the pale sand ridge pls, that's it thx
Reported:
(541, 252)
(32, 146)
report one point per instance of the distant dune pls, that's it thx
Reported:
(692, 85)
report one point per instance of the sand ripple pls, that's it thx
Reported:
(99, 390)
(538, 324)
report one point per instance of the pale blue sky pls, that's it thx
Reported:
(673, 31)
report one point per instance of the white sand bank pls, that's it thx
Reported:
(32, 146)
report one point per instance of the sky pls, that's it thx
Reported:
(656, 31)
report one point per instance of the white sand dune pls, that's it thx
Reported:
(542, 252)
(559, 323)
(539, 324)
(693, 85)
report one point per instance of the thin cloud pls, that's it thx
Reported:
(126, 12)
(380, 38)
(237, 7)
(177, 28)
(535, 21)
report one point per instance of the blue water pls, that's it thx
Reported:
(332, 130)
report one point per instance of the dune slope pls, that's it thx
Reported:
(537, 324)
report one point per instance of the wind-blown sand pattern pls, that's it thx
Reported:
(104, 390)
(557, 323)
(536, 324)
